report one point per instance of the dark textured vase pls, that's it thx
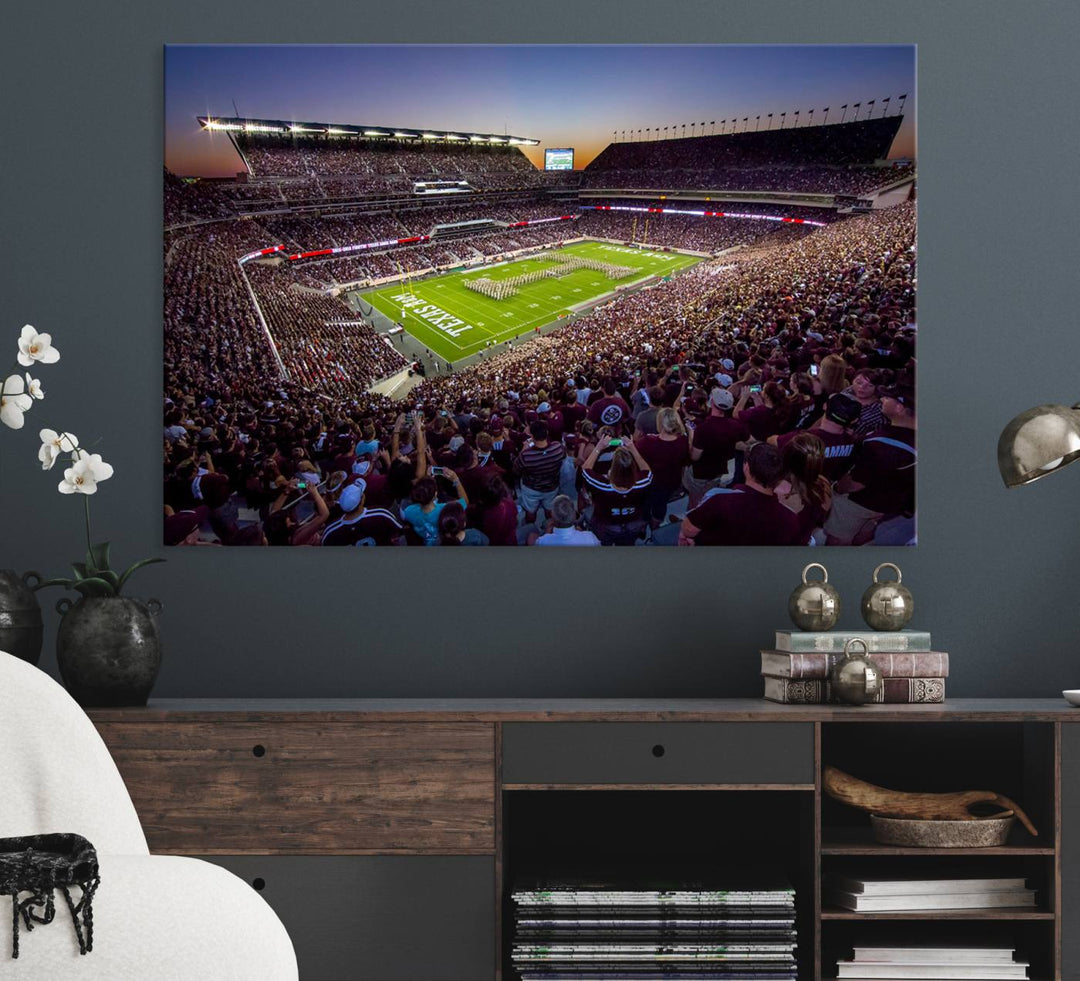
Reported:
(20, 616)
(108, 649)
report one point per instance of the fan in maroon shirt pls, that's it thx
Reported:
(885, 467)
(360, 525)
(712, 443)
(881, 485)
(611, 410)
(834, 430)
(746, 514)
(494, 512)
(667, 453)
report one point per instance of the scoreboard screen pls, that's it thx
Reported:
(560, 158)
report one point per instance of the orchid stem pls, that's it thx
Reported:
(89, 547)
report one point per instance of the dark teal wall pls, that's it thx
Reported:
(996, 574)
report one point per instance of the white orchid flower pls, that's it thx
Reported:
(83, 476)
(53, 444)
(14, 401)
(33, 387)
(36, 347)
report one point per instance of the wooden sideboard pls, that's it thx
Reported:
(387, 832)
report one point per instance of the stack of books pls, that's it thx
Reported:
(938, 963)
(797, 670)
(902, 894)
(568, 930)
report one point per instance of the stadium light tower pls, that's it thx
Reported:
(885, 106)
(825, 120)
(796, 118)
(684, 130)
(712, 128)
(844, 116)
(902, 98)
(856, 108)
(782, 115)
(757, 123)
(870, 109)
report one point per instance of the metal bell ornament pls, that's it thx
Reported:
(856, 680)
(814, 605)
(887, 605)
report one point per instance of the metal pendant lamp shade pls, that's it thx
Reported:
(1037, 442)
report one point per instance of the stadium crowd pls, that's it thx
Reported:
(802, 180)
(766, 398)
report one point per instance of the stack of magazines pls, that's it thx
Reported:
(580, 931)
(938, 963)
(901, 893)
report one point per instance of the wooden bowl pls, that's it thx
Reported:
(913, 832)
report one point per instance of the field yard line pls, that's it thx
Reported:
(462, 301)
(456, 302)
(435, 331)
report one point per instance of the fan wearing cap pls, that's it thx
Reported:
(835, 431)
(712, 445)
(360, 525)
(881, 485)
(748, 513)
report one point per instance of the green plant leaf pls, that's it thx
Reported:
(80, 570)
(97, 559)
(138, 565)
(66, 583)
(94, 587)
(110, 577)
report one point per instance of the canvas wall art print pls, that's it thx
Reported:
(534, 296)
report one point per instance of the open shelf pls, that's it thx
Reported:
(1017, 760)
(712, 836)
(860, 841)
(1003, 913)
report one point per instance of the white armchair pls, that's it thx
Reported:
(156, 917)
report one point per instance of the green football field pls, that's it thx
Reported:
(456, 322)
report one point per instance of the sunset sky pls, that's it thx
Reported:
(576, 96)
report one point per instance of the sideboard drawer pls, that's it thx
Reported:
(230, 788)
(699, 753)
(381, 917)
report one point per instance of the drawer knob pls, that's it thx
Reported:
(258, 884)
(658, 750)
(258, 750)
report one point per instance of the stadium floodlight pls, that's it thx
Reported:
(430, 136)
(403, 134)
(496, 139)
(338, 131)
(375, 132)
(476, 139)
(297, 128)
